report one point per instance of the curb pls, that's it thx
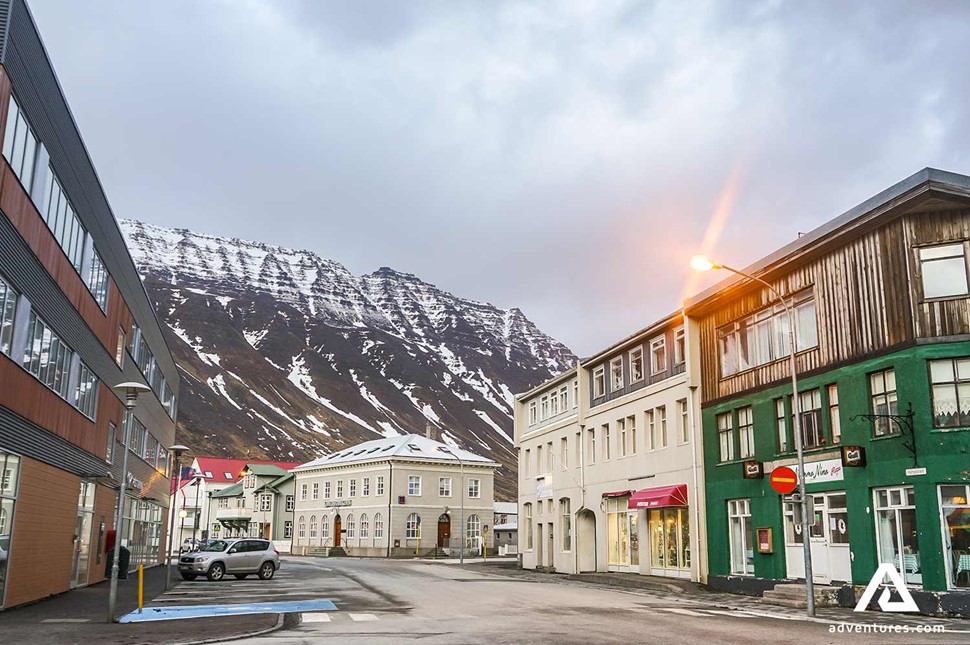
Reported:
(280, 623)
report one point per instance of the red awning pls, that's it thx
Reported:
(618, 493)
(659, 497)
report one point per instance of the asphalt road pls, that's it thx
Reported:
(381, 601)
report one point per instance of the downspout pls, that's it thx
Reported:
(390, 497)
(695, 563)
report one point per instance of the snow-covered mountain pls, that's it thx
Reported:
(287, 355)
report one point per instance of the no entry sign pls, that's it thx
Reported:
(783, 479)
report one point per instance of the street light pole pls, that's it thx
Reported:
(703, 264)
(176, 452)
(461, 528)
(131, 391)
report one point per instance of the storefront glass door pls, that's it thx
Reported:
(896, 536)
(669, 542)
(955, 506)
(623, 536)
(82, 534)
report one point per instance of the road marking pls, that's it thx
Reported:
(733, 614)
(316, 618)
(684, 612)
(66, 620)
(361, 618)
(198, 611)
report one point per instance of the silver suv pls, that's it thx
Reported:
(239, 557)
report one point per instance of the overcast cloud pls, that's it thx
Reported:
(562, 157)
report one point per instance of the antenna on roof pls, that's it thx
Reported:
(428, 431)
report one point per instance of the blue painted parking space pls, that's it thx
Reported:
(203, 611)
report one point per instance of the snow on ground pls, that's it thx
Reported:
(218, 385)
(487, 419)
(254, 337)
(300, 377)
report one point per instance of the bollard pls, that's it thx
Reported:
(141, 587)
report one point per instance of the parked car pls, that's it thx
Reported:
(190, 544)
(239, 557)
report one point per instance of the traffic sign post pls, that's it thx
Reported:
(783, 479)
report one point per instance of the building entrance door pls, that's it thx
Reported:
(623, 536)
(336, 530)
(829, 538)
(82, 535)
(444, 530)
(540, 543)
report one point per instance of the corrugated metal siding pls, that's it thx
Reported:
(23, 270)
(39, 94)
(20, 436)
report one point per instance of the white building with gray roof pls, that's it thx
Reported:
(395, 497)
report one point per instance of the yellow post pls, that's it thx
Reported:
(141, 587)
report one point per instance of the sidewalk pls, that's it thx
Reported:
(79, 616)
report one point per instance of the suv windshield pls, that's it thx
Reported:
(218, 545)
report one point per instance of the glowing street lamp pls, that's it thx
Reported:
(701, 263)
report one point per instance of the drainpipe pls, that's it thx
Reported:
(696, 538)
(390, 499)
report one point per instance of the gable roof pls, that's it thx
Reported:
(409, 446)
(263, 470)
(506, 508)
(214, 469)
(277, 482)
(229, 491)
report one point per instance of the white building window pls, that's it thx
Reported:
(364, 525)
(64, 223)
(97, 281)
(378, 525)
(365, 487)
(810, 404)
(680, 346)
(599, 382)
(607, 442)
(380, 484)
(616, 374)
(636, 365)
(414, 485)
(763, 337)
(86, 396)
(340, 488)
(884, 401)
(563, 399)
(622, 436)
(896, 536)
(287, 529)
(473, 533)
(290, 504)
(533, 413)
(265, 503)
(326, 490)
(47, 357)
(444, 486)
(544, 407)
(303, 489)
(745, 433)
(658, 355)
(944, 271)
(725, 437)
(741, 537)
(567, 524)
(325, 527)
(684, 421)
(313, 527)
(353, 488)
(412, 526)
(316, 490)
(950, 378)
(301, 527)
(527, 525)
(351, 526)
(662, 422)
(553, 404)
(474, 488)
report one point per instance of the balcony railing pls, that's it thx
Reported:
(234, 513)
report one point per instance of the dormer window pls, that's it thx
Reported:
(616, 374)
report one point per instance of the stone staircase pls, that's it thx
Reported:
(326, 552)
(794, 595)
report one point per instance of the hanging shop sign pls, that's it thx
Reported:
(753, 469)
(853, 456)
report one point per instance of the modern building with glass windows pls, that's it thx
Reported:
(395, 497)
(882, 345)
(74, 322)
(610, 468)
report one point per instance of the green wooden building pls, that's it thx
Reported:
(882, 317)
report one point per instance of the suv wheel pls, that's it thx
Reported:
(216, 572)
(266, 571)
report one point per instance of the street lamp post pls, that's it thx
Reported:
(131, 392)
(176, 452)
(461, 527)
(701, 263)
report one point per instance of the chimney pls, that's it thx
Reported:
(429, 431)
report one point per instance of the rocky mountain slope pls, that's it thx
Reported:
(287, 355)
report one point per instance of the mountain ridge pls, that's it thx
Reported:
(291, 355)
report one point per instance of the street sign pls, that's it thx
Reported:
(783, 479)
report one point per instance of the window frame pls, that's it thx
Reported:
(635, 356)
(658, 348)
(922, 263)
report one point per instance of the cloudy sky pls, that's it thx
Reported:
(566, 158)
